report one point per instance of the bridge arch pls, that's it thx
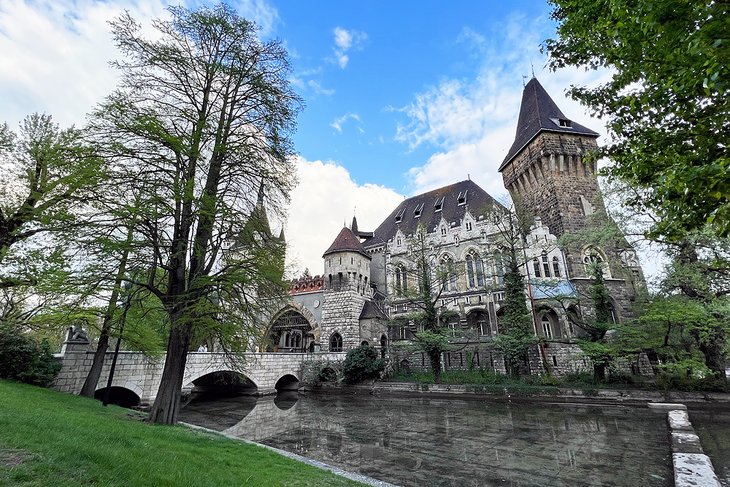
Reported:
(222, 382)
(287, 382)
(125, 397)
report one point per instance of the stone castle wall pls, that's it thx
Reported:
(341, 313)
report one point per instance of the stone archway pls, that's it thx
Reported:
(292, 329)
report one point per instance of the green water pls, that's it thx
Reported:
(437, 442)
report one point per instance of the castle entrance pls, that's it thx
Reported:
(291, 332)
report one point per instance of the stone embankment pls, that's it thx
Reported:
(692, 468)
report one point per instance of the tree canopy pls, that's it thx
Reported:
(198, 127)
(667, 101)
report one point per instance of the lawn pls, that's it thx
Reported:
(53, 439)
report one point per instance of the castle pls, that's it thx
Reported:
(358, 297)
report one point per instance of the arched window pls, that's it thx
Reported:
(474, 270)
(556, 267)
(499, 266)
(336, 342)
(448, 277)
(545, 265)
(593, 256)
(547, 330)
(536, 267)
(287, 340)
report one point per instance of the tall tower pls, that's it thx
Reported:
(346, 288)
(546, 174)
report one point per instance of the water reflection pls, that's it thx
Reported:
(413, 441)
(713, 428)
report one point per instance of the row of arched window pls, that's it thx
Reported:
(543, 268)
(475, 272)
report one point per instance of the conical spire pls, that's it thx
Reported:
(538, 112)
(353, 227)
(346, 241)
(282, 238)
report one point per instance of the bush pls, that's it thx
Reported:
(362, 363)
(23, 359)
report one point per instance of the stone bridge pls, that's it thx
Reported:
(265, 373)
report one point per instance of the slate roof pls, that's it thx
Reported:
(346, 241)
(477, 200)
(372, 310)
(538, 113)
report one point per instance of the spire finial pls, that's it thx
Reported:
(533, 69)
(524, 77)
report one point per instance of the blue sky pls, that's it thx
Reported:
(401, 96)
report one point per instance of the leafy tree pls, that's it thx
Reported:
(201, 120)
(432, 278)
(45, 175)
(667, 102)
(362, 363)
(516, 329)
(24, 359)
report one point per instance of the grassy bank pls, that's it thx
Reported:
(53, 439)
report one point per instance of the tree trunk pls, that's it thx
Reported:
(167, 403)
(92, 378)
(713, 357)
(434, 357)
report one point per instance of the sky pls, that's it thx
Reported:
(400, 96)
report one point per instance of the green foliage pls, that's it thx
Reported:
(362, 363)
(24, 359)
(516, 332)
(317, 371)
(667, 101)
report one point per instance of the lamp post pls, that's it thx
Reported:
(123, 319)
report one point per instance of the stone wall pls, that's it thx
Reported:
(341, 313)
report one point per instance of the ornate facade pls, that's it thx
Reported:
(366, 274)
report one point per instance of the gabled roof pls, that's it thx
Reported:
(429, 208)
(371, 309)
(346, 241)
(538, 113)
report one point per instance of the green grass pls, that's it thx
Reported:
(53, 439)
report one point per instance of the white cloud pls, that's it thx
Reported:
(325, 198)
(345, 40)
(259, 11)
(319, 89)
(55, 55)
(472, 121)
(339, 121)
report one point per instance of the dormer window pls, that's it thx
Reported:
(399, 216)
(562, 122)
(468, 226)
(461, 199)
(439, 204)
(419, 209)
(443, 231)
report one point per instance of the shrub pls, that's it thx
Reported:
(362, 363)
(24, 359)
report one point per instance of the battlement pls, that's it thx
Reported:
(306, 284)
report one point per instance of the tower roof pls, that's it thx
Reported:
(346, 241)
(539, 113)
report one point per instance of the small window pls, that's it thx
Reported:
(461, 199)
(546, 329)
(399, 215)
(545, 265)
(419, 209)
(336, 342)
(468, 226)
(564, 122)
(443, 231)
(536, 267)
(438, 205)
(556, 267)
(398, 241)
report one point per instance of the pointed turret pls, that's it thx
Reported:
(539, 113)
(353, 227)
(346, 241)
(282, 238)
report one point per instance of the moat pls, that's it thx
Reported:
(418, 441)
